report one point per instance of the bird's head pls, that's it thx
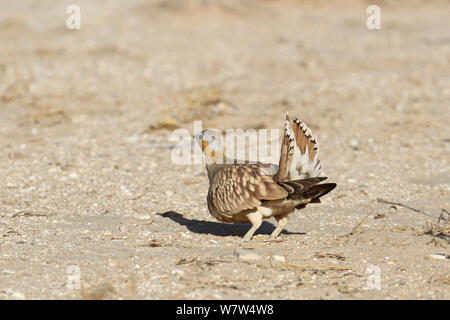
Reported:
(210, 140)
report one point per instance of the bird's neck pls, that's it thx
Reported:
(215, 159)
(212, 168)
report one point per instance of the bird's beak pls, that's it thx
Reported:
(197, 136)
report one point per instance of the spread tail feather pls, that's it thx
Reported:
(299, 152)
(287, 151)
(305, 162)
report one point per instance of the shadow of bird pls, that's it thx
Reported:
(218, 228)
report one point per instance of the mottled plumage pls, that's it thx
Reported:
(253, 192)
(239, 187)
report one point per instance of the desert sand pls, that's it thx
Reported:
(92, 207)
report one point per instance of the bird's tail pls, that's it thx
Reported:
(307, 190)
(315, 192)
(299, 151)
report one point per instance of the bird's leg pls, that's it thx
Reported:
(281, 223)
(256, 220)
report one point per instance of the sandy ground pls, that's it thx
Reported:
(87, 183)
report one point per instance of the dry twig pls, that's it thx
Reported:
(141, 195)
(358, 225)
(31, 214)
(320, 267)
(404, 206)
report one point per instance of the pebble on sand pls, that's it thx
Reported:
(244, 254)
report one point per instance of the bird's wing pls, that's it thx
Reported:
(236, 188)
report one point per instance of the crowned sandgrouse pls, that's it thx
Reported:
(251, 192)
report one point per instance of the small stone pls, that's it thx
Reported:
(6, 271)
(142, 216)
(185, 235)
(437, 256)
(354, 144)
(73, 175)
(177, 272)
(279, 259)
(244, 254)
(18, 296)
(132, 139)
(169, 193)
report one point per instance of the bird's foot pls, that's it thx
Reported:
(273, 239)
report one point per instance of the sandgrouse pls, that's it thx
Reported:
(251, 192)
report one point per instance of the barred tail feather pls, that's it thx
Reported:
(305, 162)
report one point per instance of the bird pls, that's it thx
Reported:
(251, 192)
